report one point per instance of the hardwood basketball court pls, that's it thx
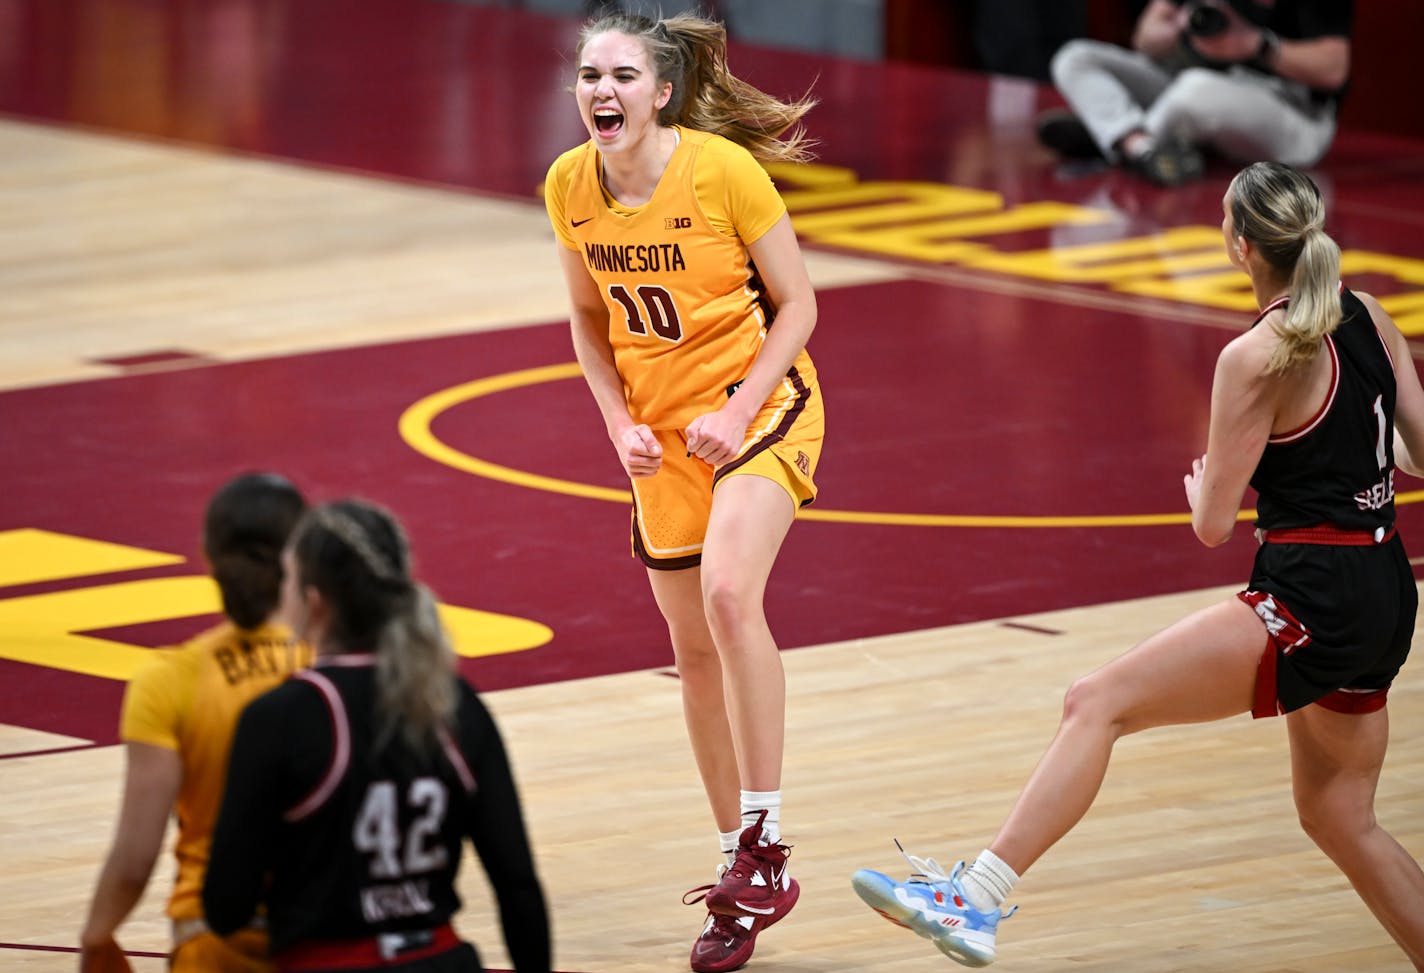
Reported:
(252, 233)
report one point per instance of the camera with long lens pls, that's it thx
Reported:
(1208, 18)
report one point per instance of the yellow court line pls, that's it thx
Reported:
(415, 423)
(415, 430)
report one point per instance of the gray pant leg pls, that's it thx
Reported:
(1244, 116)
(1108, 87)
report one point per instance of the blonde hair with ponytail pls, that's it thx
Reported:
(414, 665)
(1280, 211)
(356, 555)
(691, 53)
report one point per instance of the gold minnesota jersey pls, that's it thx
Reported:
(687, 312)
(188, 699)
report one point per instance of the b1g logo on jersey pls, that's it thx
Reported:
(677, 223)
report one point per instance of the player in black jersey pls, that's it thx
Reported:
(1313, 407)
(352, 786)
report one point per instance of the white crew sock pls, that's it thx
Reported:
(988, 882)
(727, 841)
(753, 803)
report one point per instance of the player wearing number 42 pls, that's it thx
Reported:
(352, 786)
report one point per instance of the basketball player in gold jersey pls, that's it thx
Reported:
(178, 717)
(690, 313)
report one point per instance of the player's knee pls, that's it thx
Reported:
(1333, 819)
(692, 648)
(1093, 699)
(1083, 700)
(727, 605)
(691, 659)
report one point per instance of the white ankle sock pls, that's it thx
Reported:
(988, 882)
(727, 841)
(753, 803)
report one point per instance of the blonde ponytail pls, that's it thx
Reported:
(1314, 308)
(357, 556)
(415, 667)
(691, 53)
(1280, 211)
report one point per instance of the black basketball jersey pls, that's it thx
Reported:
(1339, 467)
(355, 839)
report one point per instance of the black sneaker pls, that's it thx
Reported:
(1168, 163)
(1061, 131)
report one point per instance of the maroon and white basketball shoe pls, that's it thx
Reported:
(725, 943)
(757, 884)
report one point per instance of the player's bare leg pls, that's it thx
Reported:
(679, 597)
(1335, 767)
(1202, 668)
(749, 521)
(750, 517)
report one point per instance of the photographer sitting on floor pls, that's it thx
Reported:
(1254, 80)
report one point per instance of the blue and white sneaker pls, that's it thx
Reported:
(932, 904)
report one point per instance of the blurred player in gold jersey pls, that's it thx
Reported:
(690, 312)
(178, 717)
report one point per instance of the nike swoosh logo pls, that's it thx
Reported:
(578, 223)
(753, 909)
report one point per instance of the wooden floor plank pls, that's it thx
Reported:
(1190, 861)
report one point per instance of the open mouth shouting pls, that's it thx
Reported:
(608, 122)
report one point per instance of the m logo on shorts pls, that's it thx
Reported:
(1285, 630)
(803, 463)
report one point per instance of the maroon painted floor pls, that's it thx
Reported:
(1069, 411)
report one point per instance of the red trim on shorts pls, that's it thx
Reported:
(1264, 702)
(355, 954)
(1352, 702)
(1284, 635)
(1327, 534)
